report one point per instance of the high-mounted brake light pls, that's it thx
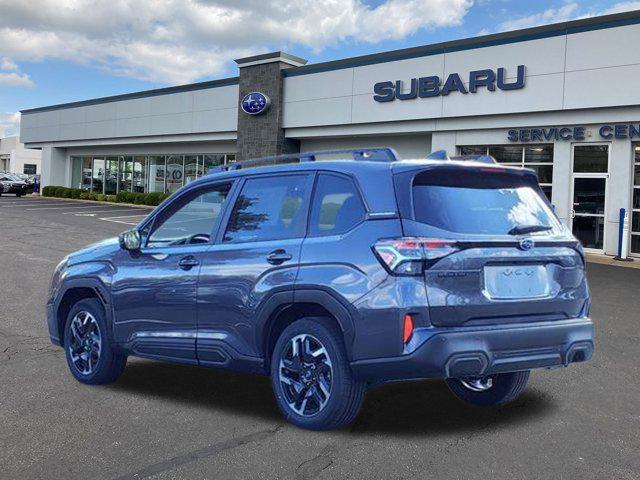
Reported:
(409, 255)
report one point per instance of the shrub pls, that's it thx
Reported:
(124, 197)
(137, 198)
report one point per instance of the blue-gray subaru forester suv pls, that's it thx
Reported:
(334, 276)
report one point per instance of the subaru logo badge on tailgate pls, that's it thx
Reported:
(526, 244)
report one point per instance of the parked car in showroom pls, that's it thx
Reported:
(336, 276)
(12, 184)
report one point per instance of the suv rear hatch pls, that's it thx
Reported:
(494, 250)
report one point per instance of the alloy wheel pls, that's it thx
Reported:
(478, 384)
(85, 342)
(306, 375)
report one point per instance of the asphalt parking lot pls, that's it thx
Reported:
(171, 422)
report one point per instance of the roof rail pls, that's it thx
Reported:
(384, 154)
(443, 155)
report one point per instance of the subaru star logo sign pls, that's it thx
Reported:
(255, 103)
(526, 244)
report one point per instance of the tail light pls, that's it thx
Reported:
(409, 256)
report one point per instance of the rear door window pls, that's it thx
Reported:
(269, 208)
(479, 203)
(337, 206)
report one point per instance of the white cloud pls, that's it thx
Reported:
(551, 15)
(571, 10)
(6, 64)
(13, 79)
(9, 123)
(621, 7)
(176, 41)
(11, 76)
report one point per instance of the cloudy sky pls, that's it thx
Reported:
(55, 51)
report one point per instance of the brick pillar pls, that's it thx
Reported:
(262, 135)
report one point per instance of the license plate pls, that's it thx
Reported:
(513, 282)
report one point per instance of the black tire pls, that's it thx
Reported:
(346, 394)
(18, 195)
(109, 364)
(506, 387)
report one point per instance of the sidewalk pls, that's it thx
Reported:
(608, 260)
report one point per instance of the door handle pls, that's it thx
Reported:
(278, 256)
(188, 262)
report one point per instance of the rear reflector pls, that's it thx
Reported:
(407, 329)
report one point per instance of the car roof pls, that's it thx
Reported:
(375, 178)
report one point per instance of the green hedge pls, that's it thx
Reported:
(152, 199)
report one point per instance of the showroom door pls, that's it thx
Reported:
(589, 194)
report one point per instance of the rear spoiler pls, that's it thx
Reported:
(443, 155)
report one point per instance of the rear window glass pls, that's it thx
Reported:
(494, 207)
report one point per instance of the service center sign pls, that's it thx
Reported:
(432, 86)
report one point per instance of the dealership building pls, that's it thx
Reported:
(562, 99)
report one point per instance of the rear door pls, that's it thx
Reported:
(257, 254)
(510, 258)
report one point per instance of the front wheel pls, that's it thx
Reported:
(490, 390)
(311, 376)
(88, 349)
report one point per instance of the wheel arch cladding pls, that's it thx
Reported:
(284, 316)
(69, 298)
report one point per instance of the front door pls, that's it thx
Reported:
(256, 255)
(154, 290)
(589, 193)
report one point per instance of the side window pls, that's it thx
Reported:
(337, 206)
(191, 220)
(268, 208)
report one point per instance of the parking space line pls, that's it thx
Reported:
(125, 219)
(103, 211)
(2, 204)
(128, 216)
(60, 207)
(119, 221)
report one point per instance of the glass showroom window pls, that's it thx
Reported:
(141, 173)
(635, 205)
(126, 173)
(156, 173)
(536, 157)
(211, 161)
(175, 172)
(190, 168)
(111, 176)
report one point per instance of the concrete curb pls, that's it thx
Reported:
(606, 260)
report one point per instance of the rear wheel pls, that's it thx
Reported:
(490, 390)
(88, 348)
(311, 376)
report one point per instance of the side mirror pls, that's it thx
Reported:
(130, 240)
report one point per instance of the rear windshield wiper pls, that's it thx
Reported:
(522, 229)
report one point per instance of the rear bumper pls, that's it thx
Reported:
(471, 352)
